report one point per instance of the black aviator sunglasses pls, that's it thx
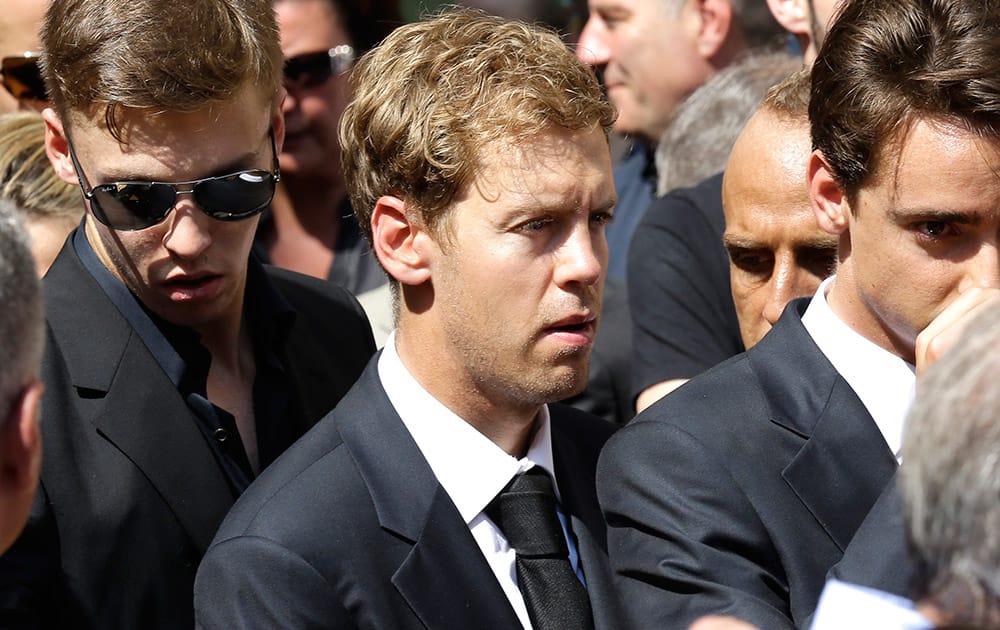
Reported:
(311, 70)
(137, 205)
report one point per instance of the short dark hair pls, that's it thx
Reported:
(885, 65)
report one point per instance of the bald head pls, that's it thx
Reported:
(776, 250)
(20, 21)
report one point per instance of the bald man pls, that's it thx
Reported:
(776, 250)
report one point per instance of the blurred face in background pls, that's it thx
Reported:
(316, 97)
(777, 251)
(648, 53)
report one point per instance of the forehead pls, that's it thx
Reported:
(174, 146)
(652, 8)
(556, 168)
(308, 26)
(20, 21)
(768, 164)
(941, 165)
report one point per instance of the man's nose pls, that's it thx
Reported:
(188, 232)
(983, 269)
(788, 281)
(582, 257)
(592, 48)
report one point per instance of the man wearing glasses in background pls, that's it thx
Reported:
(311, 227)
(175, 369)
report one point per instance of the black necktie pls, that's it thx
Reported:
(525, 511)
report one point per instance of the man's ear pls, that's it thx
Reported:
(278, 118)
(716, 18)
(57, 147)
(21, 443)
(828, 199)
(792, 15)
(400, 241)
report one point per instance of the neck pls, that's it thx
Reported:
(508, 424)
(851, 308)
(227, 340)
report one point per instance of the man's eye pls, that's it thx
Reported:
(602, 218)
(935, 230)
(759, 263)
(534, 225)
(819, 261)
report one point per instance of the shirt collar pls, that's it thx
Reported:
(883, 381)
(468, 465)
(268, 314)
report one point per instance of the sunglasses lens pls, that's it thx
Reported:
(131, 206)
(308, 71)
(22, 78)
(237, 196)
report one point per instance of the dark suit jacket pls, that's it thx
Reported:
(351, 529)
(736, 493)
(877, 556)
(131, 493)
(683, 316)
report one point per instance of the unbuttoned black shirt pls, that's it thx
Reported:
(186, 362)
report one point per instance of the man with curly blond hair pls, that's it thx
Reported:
(476, 157)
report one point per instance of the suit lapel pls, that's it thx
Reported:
(411, 504)
(844, 463)
(124, 393)
(843, 467)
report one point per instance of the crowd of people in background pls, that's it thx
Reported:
(557, 314)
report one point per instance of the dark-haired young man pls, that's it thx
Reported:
(736, 494)
(177, 367)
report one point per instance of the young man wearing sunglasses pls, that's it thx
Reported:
(177, 367)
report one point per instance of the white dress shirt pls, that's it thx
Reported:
(883, 381)
(844, 605)
(470, 467)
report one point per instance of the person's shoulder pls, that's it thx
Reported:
(724, 402)
(326, 310)
(297, 492)
(696, 209)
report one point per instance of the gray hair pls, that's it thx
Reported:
(950, 478)
(701, 135)
(21, 314)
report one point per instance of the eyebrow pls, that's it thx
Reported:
(739, 241)
(607, 205)
(900, 215)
